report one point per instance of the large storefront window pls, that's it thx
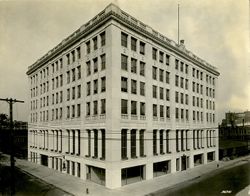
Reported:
(133, 174)
(161, 168)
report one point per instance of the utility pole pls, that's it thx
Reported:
(12, 154)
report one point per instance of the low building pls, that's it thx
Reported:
(117, 102)
(234, 135)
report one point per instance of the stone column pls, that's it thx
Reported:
(172, 141)
(157, 141)
(76, 141)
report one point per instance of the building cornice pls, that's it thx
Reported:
(115, 13)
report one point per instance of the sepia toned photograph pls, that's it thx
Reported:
(126, 98)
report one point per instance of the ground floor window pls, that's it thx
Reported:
(210, 156)
(161, 168)
(44, 160)
(198, 159)
(133, 174)
(96, 174)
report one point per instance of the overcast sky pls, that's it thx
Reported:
(217, 31)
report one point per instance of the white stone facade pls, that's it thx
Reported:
(112, 110)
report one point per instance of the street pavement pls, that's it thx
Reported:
(77, 186)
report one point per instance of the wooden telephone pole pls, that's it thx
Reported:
(12, 154)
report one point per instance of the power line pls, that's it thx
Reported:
(12, 161)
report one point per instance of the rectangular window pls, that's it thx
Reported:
(79, 72)
(176, 64)
(154, 91)
(88, 68)
(161, 111)
(182, 66)
(103, 84)
(124, 40)
(88, 108)
(142, 68)
(78, 110)
(124, 106)
(142, 48)
(95, 109)
(177, 113)
(186, 69)
(73, 92)
(133, 143)
(133, 107)
(176, 80)
(124, 84)
(154, 142)
(154, 73)
(187, 118)
(133, 86)
(88, 47)
(133, 65)
(142, 88)
(88, 88)
(95, 143)
(161, 57)
(124, 144)
(78, 51)
(95, 86)
(133, 44)
(103, 106)
(103, 39)
(167, 59)
(176, 97)
(154, 54)
(161, 72)
(182, 82)
(79, 91)
(167, 77)
(161, 141)
(73, 56)
(95, 61)
(73, 75)
(68, 95)
(167, 95)
(154, 110)
(68, 61)
(95, 43)
(142, 108)
(68, 112)
(124, 62)
(161, 93)
(103, 61)
(73, 111)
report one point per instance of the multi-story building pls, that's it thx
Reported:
(117, 102)
(234, 135)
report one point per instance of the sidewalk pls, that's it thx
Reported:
(75, 186)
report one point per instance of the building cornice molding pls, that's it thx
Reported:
(115, 13)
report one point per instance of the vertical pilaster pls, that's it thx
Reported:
(138, 143)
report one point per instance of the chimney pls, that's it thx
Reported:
(182, 42)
